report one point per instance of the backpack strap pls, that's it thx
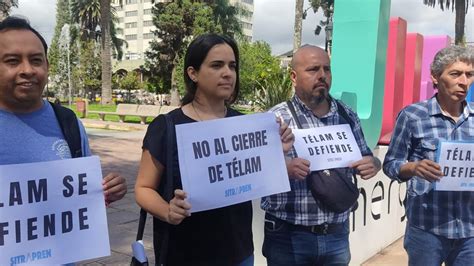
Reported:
(293, 113)
(166, 191)
(69, 126)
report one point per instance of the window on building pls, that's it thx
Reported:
(246, 25)
(131, 2)
(147, 23)
(130, 37)
(131, 13)
(149, 35)
(147, 11)
(130, 25)
(250, 2)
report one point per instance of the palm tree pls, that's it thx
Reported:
(87, 14)
(226, 15)
(91, 14)
(460, 6)
(298, 24)
(106, 39)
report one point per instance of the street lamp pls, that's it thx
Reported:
(328, 30)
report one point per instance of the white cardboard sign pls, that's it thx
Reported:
(52, 212)
(457, 164)
(231, 160)
(327, 147)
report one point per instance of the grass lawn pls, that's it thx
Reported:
(108, 108)
(128, 119)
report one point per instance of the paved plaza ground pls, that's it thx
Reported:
(120, 151)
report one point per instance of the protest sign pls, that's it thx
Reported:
(52, 212)
(457, 164)
(327, 147)
(232, 160)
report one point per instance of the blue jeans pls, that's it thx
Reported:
(248, 261)
(285, 245)
(425, 249)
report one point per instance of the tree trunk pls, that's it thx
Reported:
(105, 19)
(460, 21)
(174, 101)
(298, 24)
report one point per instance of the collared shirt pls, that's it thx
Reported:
(298, 205)
(418, 130)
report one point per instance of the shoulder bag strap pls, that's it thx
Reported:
(168, 188)
(293, 113)
(342, 111)
(169, 185)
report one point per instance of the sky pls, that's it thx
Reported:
(273, 20)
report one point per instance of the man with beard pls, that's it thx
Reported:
(300, 230)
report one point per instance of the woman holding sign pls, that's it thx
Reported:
(221, 236)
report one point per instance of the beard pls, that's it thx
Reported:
(313, 100)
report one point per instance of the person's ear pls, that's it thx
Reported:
(192, 73)
(293, 77)
(434, 80)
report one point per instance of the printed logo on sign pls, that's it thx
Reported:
(32, 257)
(238, 190)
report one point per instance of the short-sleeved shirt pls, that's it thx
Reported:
(221, 236)
(416, 136)
(35, 137)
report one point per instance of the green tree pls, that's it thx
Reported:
(325, 5)
(91, 14)
(131, 81)
(88, 70)
(461, 8)
(176, 22)
(226, 16)
(256, 65)
(5, 6)
(273, 90)
(55, 54)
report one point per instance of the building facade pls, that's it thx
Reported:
(135, 25)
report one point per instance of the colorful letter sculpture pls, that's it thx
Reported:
(358, 60)
(394, 72)
(431, 45)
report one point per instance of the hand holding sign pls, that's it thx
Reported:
(114, 186)
(178, 208)
(367, 167)
(287, 137)
(298, 168)
(428, 170)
